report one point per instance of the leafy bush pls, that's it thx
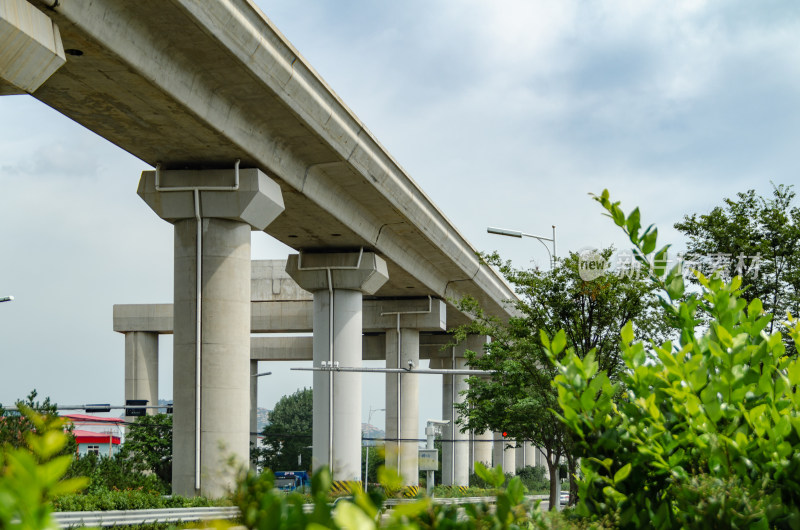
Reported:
(30, 474)
(263, 506)
(707, 431)
(533, 478)
(108, 499)
(117, 472)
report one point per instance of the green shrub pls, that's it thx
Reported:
(263, 506)
(31, 473)
(533, 478)
(109, 499)
(707, 430)
(117, 472)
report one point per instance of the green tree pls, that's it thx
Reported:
(707, 435)
(288, 435)
(377, 455)
(148, 445)
(14, 425)
(757, 238)
(519, 398)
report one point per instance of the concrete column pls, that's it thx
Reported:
(225, 358)
(447, 415)
(253, 409)
(482, 448)
(141, 368)
(337, 281)
(456, 454)
(505, 453)
(456, 445)
(461, 462)
(525, 456)
(211, 350)
(402, 404)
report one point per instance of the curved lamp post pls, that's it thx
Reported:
(541, 239)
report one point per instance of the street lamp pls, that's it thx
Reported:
(366, 460)
(6, 298)
(541, 239)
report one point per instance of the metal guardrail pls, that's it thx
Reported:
(132, 517)
(174, 515)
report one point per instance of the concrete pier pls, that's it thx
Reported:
(212, 212)
(482, 448)
(402, 404)
(403, 319)
(141, 368)
(338, 282)
(505, 453)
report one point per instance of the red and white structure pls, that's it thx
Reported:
(96, 434)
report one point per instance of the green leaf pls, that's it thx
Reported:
(676, 287)
(515, 490)
(413, 509)
(622, 473)
(649, 241)
(633, 224)
(627, 332)
(617, 215)
(559, 342)
(71, 485)
(545, 339)
(347, 515)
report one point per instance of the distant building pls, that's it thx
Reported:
(96, 434)
(371, 435)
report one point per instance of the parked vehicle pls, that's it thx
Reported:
(292, 480)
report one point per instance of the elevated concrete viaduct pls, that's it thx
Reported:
(194, 88)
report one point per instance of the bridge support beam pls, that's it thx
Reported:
(213, 212)
(31, 47)
(338, 282)
(141, 368)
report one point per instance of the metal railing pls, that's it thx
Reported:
(132, 517)
(174, 515)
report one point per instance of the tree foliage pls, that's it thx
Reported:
(708, 432)
(14, 425)
(584, 315)
(148, 446)
(288, 434)
(757, 238)
(31, 472)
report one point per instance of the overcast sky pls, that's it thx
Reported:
(506, 113)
